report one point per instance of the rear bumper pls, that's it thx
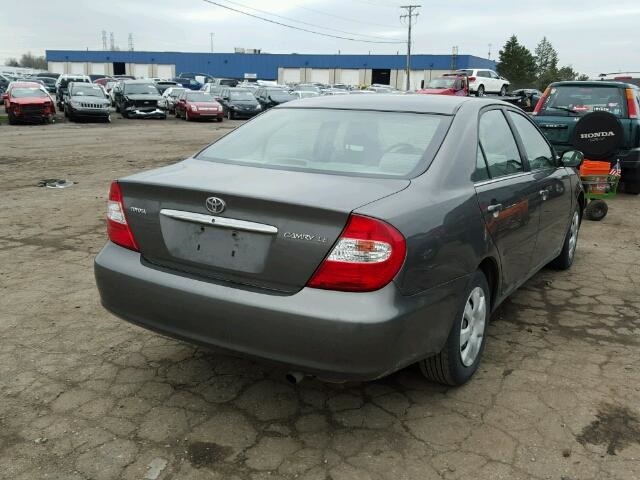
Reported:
(335, 335)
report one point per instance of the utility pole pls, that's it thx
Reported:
(211, 37)
(104, 40)
(489, 54)
(408, 14)
(131, 42)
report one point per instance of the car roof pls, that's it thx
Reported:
(594, 83)
(444, 105)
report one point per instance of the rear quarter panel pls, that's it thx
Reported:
(439, 214)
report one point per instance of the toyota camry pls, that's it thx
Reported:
(345, 237)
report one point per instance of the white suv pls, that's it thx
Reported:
(483, 81)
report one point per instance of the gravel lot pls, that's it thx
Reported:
(84, 395)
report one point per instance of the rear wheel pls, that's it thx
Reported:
(565, 259)
(12, 119)
(230, 115)
(596, 210)
(503, 91)
(480, 91)
(461, 355)
(187, 117)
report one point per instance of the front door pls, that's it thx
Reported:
(508, 198)
(553, 186)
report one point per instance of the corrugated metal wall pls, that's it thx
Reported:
(264, 65)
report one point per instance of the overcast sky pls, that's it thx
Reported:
(594, 36)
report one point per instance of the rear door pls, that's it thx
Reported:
(553, 185)
(507, 196)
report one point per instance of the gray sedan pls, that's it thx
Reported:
(345, 237)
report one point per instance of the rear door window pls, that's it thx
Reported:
(499, 145)
(580, 100)
(538, 152)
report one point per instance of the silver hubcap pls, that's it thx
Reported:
(472, 327)
(573, 234)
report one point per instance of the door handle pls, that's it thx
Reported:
(544, 194)
(495, 209)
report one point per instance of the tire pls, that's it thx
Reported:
(107, 119)
(231, 115)
(503, 91)
(565, 259)
(187, 117)
(117, 108)
(457, 362)
(596, 210)
(12, 119)
(480, 91)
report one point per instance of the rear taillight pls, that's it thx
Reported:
(471, 79)
(540, 103)
(632, 104)
(366, 257)
(117, 226)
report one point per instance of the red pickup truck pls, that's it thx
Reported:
(448, 84)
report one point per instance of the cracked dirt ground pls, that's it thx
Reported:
(84, 395)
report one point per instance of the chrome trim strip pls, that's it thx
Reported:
(223, 222)
(499, 179)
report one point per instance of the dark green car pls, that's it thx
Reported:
(599, 118)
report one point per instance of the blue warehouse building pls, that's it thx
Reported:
(285, 68)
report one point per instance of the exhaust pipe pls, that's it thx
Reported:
(294, 377)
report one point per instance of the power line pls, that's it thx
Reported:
(302, 22)
(351, 39)
(346, 19)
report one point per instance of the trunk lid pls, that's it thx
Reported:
(276, 229)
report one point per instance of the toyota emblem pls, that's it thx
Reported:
(215, 205)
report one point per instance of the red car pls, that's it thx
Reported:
(457, 85)
(28, 102)
(198, 105)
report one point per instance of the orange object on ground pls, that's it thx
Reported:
(593, 167)
(595, 176)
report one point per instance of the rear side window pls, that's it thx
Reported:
(393, 144)
(580, 100)
(498, 145)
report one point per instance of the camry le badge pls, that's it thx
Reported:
(215, 205)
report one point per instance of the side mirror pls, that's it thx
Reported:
(572, 158)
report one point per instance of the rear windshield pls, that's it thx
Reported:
(355, 142)
(579, 100)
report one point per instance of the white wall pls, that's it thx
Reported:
(349, 77)
(320, 75)
(290, 75)
(77, 68)
(56, 67)
(165, 71)
(141, 70)
(97, 68)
